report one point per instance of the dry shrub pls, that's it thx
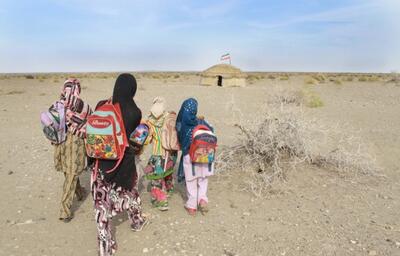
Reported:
(251, 78)
(270, 147)
(362, 79)
(337, 82)
(29, 77)
(272, 77)
(349, 79)
(102, 76)
(311, 98)
(373, 78)
(314, 101)
(156, 76)
(395, 78)
(14, 92)
(310, 81)
(284, 78)
(285, 97)
(319, 77)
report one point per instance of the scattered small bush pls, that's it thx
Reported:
(29, 77)
(337, 82)
(373, 79)
(349, 79)
(284, 78)
(14, 92)
(314, 101)
(320, 78)
(310, 81)
(272, 77)
(362, 79)
(287, 98)
(311, 98)
(395, 78)
(156, 76)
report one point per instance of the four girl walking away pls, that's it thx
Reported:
(160, 167)
(115, 192)
(114, 176)
(70, 155)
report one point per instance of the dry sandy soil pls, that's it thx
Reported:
(314, 212)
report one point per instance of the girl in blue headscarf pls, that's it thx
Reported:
(196, 182)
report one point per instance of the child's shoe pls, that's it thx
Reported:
(137, 228)
(170, 192)
(203, 207)
(190, 211)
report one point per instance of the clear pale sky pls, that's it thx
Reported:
(136, 35)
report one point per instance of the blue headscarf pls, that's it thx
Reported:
(185, 123)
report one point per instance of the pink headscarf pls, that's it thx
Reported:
(72, 87)
(77, 110)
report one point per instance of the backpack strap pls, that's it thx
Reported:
(117, 164)
(124, 136)
(166, 160)
(94, 173)
(122, 125)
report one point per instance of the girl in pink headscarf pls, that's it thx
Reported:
(70, 156)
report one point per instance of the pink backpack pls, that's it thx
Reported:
(53, 123)
(169, 136)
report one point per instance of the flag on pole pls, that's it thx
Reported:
(226, 56)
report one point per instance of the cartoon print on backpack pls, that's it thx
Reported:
(104, 136)
(204, 144)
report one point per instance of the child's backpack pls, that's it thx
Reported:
(105, 134)
(139, 135)
(204, 144)
(53, 123)
(169, 136)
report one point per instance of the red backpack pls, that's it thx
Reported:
(105, 134)
(204, 144)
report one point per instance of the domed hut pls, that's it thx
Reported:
(223, 75)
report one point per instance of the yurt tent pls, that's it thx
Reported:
(223, 75)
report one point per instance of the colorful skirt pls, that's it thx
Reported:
(70, 156)
(159, 167)
(110, 200)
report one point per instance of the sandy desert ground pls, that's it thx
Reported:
(314, 212)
